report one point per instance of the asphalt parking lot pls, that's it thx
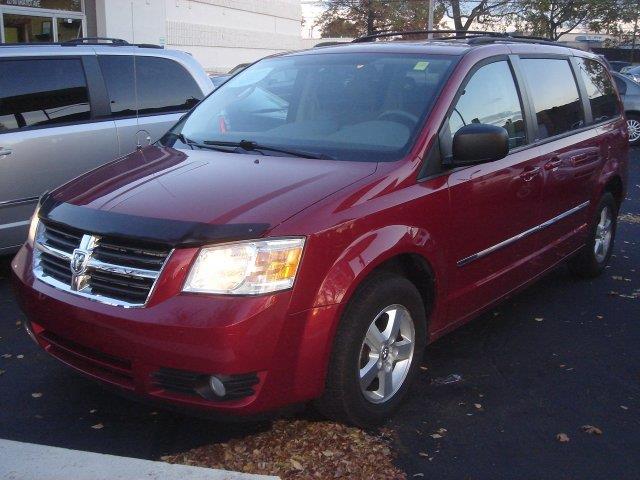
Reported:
(561, 355)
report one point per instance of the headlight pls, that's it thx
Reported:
(33, 227)
(246, 268)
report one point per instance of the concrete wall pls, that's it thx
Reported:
(219, 33)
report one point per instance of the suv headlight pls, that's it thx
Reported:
(33, 226)
(246, 268)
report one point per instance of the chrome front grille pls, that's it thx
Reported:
(112, 271)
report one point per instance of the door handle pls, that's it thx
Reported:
(5, 151)
(529, 173)
(553, 164)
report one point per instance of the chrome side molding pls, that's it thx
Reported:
(520, 236)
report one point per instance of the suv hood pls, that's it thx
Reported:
(206, 187)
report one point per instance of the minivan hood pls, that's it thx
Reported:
(209, 187)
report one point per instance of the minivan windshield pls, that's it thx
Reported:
(344, 106)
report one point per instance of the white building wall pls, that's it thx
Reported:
(219, 33)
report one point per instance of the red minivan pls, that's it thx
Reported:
(306, 230)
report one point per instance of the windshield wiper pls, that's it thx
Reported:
(192, 143)
(250, 146)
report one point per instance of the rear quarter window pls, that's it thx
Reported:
(600, 91)
(164, 86)
(555, 95)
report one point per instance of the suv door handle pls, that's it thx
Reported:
(5, 151)
(553, 164)
(529, 173)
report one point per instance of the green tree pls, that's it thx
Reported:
(554, 18)
(349, 18)
(467, 14)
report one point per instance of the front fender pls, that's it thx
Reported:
(368, 251)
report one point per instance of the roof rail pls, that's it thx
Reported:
(475, 36)
(114, 42)
(95, 41)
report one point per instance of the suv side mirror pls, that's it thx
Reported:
(479, 143)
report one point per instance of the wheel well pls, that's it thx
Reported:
(614, 187)
(416, 269)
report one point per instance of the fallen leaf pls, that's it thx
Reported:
(20, 356)
(36, 395)
(296, 464)
(562, 437)
(93, 410)
(436, 435)
(590, 429)
(539, 319)
(97, 426)
(6, 355)
(624, 407)
(478, 406)
(423, 454)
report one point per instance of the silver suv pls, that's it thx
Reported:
(67, 108)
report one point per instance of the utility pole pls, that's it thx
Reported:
(430, 21)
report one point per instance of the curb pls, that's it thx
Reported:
(28, 461)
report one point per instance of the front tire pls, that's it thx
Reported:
(376, 353)
(633, 124)
(594, 256)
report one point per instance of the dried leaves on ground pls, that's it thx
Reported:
(301, 449)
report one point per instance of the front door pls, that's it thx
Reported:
(46, 136)
(494, 205)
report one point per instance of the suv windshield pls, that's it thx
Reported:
(363, 107)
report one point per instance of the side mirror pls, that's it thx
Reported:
(479, 143)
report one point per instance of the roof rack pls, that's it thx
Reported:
(114, 42)
(474, 36)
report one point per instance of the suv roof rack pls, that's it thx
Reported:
(107, 42)
(114, 42)
(474, 36)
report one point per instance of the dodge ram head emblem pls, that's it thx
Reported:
(79, 261)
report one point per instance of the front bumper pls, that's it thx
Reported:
(234, 337)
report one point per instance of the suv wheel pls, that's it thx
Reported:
(633, 124)
(377, 352)
(592, 259)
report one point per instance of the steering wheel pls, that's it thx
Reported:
(399, 116)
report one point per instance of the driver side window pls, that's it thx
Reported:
(491, 97)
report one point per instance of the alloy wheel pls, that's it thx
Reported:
(634, 129)
(602, 242)
(386, 353)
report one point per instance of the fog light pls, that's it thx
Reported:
(217, 386)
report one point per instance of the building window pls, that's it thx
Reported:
(41, 21)
(71, 5)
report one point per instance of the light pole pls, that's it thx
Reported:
(430, 21)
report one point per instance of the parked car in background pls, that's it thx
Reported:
(617, 65)
(633, 73)
(630, 94)
(305, 231)
(68, 108)
(219, 78)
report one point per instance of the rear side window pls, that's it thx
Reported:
(42, 92)
(555, 95)
(164, 86)
(491, 97)
(117, 71)
(602, 96)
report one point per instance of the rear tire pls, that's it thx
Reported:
(594, 256)
(376, 353)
